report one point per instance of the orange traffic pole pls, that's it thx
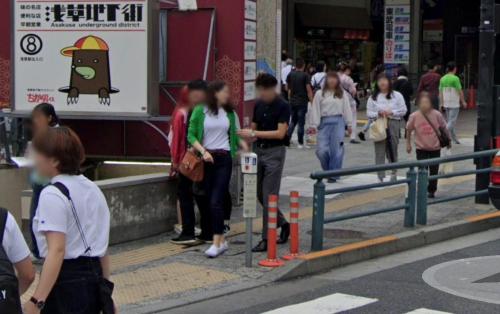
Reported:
(294, 226)
(272, 222)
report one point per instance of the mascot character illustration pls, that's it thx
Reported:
(90, 73)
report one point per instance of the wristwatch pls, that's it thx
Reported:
(39, 304)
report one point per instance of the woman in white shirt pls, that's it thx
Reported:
(212, 132)
(71, 226)
(319, 78)
(389, 104)
(332, 106)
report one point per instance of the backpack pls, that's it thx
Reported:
(10, 301)
(318, 85)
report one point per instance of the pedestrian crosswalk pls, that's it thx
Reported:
(337, 303)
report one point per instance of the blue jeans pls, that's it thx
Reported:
(298, 118)
(216, 181)
(330, 148)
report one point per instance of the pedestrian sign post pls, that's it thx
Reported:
(249, 170)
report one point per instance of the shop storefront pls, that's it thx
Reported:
(336, 31)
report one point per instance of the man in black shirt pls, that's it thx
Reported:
(269, 131)
(300, 93)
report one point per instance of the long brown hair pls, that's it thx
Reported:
(213, 89)
(337, 91)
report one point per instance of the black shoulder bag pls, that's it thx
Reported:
(106, 287)
(442, 135)
(10, 302)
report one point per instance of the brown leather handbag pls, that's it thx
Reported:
(192, 166)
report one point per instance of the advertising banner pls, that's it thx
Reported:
(85, 57)
(397, 23)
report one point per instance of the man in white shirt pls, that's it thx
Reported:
(285, 71)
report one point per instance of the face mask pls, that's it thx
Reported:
(38, 179)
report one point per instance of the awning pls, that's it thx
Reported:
(328, 16)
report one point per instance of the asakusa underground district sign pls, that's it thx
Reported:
(85, 57)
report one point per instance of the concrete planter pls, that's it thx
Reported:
(140, 206)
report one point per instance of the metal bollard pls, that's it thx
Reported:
(272, 260)
(294, 226)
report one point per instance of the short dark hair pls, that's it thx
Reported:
(200, 85)
(63, 145)
(320, 66)
(48, 111)
(431, 65)
(402, 71)
(450, 66)
(266, 80)
(299, 63)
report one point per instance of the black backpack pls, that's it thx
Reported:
(10, 302)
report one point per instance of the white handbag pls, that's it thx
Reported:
(378, 130)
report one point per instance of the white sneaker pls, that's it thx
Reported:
(300, 146)
(214, 251)
(197, 231)
(225, 245)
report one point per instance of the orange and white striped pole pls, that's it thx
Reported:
(294, 226)
(272, 222)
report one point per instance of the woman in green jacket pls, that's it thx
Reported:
(212, 132)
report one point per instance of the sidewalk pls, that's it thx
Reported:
(153, 275)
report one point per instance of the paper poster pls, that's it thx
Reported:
(250, 30)
(250, 50)
(249, 91)
(85, 57)
(250, 10)
(250, 71)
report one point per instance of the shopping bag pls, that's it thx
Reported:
(313, 119)
(447, 167)
(378, 130)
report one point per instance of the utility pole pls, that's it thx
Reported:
(486, 108)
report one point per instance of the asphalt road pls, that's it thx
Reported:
(391, 284)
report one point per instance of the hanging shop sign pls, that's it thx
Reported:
(86, 57)
(397, 23)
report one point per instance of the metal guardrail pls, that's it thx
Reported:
(416, 201)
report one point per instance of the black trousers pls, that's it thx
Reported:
(433, 170)
(186, 201)
(77, 289)
(216, 182)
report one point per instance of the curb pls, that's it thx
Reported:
(317, 262)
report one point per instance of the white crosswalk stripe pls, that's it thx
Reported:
(336, 303)
(427, 311)
(331, 304)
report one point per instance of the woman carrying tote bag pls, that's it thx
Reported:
(388, 104)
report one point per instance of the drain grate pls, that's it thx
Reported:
(341, 234)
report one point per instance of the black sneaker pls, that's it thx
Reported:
(361, 136)
(260, 247)
(184, 239)
(205, 239)
(227, 229)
